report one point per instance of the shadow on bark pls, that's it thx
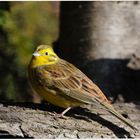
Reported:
(77, 113)
(85, 114)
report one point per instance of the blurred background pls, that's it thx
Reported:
(23, 26)
(100, 38)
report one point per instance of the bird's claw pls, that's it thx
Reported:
(56, 115)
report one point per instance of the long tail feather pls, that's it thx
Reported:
(111, 109)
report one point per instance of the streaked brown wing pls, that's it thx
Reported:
(70, 81)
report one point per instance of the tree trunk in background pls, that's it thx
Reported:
(100, 38)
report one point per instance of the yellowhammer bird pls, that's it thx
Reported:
(62, 84)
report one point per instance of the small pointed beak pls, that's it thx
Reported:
(36, 54)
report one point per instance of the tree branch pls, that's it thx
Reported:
(28, 120)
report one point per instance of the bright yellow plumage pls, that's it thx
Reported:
(37, 72)
(62, 84)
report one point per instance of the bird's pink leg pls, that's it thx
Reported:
(65, 111)
(61, 115)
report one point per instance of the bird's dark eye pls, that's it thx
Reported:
(46, 53)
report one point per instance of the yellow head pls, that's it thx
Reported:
(43, 55)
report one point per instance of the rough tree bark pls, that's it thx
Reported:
(26, 120)
(100, 38)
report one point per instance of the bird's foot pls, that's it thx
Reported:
(61, 115)
(56, 115)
